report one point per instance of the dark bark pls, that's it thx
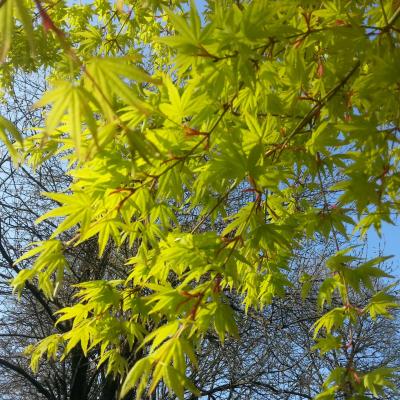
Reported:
(110, 389)
(79, 382)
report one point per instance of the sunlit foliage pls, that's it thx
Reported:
(158, 107)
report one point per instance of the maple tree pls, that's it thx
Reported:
(157, 109)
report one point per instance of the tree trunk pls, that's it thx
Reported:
(110, 389)
(79, 376)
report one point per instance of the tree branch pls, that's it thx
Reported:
(20, 371)
(35, 292)
(272, 388)
(317, 108)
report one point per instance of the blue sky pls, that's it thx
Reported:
(389, 243)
